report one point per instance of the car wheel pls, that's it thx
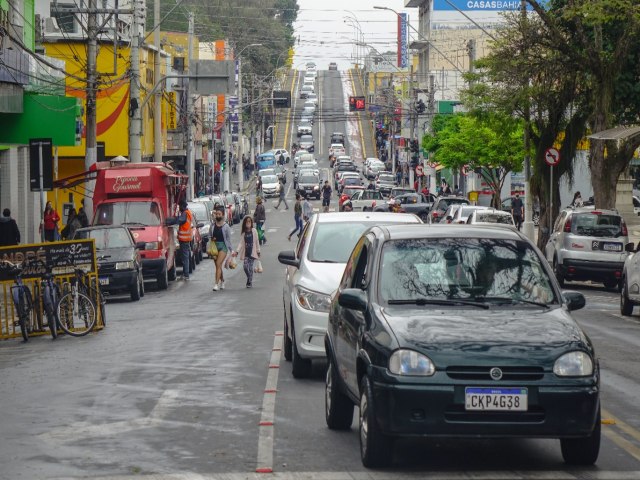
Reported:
(173, 272)
(582, 451)
(558, 272)
(163, 279)
(192, 263)
(375, 447)
(135, 290)
(626, 305)
(141, 285)
(287, 345)
(300, 367)
(610, 284)
(338, 409)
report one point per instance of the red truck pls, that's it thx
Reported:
(142, 196)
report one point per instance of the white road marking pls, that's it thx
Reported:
(264, 463)
(272, 230)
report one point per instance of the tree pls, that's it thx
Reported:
(490, 144)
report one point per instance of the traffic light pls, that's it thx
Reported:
(420, 107)
(415, 147)
(356, 104)
(223, 159)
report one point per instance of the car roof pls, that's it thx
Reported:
(438, 230)
(348, 217)
(102, 227)
(591, 209)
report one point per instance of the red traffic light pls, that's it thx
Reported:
(356, 103)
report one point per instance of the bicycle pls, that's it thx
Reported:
(49, 292)
(22, 299)
(76, 310)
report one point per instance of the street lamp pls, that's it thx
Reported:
(359, 38)
(240, 101)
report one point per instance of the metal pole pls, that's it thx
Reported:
(240, 136)
(189, 150)
(157, 117)
(135, 123)
(528, 226)
(551, 200)
(41, 180)
(91, 154)
(412, 113)
(227, 148)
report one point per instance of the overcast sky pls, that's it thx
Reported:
(326, 34)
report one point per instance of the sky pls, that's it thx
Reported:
(326, 30)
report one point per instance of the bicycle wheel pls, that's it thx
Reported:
(49, 299)
(76, 314)
(23, 314)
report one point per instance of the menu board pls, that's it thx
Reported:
(63, 257)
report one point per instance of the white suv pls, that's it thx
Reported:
(588, 244)
(313, 273)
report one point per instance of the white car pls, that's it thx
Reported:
(270, 186)
(312, 97)
(490, 216)
(366, 200)
(306, 90)
(373, 169)
(278, 151)
(313, 272)
(458, 214)
(337, 149)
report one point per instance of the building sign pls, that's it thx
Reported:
(233, 118)
(479, 5)
(403, 48)
(172, 120)
(127, 184)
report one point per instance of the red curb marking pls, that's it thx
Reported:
(266, 424)
(271, 390)
(274, 366)
(276, 350)
(279, 334)
(264, 470)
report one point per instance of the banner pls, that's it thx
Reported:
(403, 48)
(479, 5)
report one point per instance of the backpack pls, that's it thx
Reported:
(284, 179)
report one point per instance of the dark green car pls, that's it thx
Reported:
(446, 331)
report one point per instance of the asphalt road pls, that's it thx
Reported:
(184, 385)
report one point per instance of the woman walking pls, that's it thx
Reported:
(50, 224)
(248, 248)
(259, 217)
(221, 234)
(297, 216)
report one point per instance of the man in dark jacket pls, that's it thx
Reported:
(9, 232)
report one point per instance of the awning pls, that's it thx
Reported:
(617, 133)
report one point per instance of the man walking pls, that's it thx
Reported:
(326, 196)
(9, 232)
(517, 211)
(307, 209)
(297, 217)
(185, 236)
(282, 193)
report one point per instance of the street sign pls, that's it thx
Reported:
(420, 170)
(552, 157)
(432, 165)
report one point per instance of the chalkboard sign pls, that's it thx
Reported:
(62, 256)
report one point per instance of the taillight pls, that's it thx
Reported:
(567, 225)
(625, 231)
(373, 204)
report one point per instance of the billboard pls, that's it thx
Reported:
(479, 5)
(403, 48)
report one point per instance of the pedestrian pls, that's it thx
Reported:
(220, 233)
(447, 189)
(371, 186)
(9, 231)
(307, 209)
(73, 224)
(326, 196)
(248, 248)
(259, 217)
(347, 206)
(82, 216)
(297, 217)
(281, 160)
(577, 200)
(50, 223)
(517, 211)
(457, 191)
(282, 194)
(185, 236)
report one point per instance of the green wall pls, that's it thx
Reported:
(29, 14)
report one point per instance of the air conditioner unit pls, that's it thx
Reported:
(51, 26)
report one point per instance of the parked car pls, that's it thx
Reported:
(365, 200)
(308, 184)
(588, 244)
(417, 204)
(453, 332)
(490, 216)
(119, 260)
(204, 216)
(506, 206)
(442, 204)
(312, 274)
(270, 186)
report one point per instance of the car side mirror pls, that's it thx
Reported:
(288, 257)
(574, 300)
(353, 299)
(200, 225)
(630, 247)
(140, 245)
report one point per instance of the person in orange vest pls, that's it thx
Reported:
(185, 236)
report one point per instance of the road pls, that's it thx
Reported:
(190, 383)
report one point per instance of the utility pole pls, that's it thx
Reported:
(189, 154)
(392, 101)
(471, 49)
(91, 153)
(135, 114)
(157, 104)
(527, 225)
(413, 119)
(240, 136)
(227, 148)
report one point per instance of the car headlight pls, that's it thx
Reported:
(310, 300)
(409, 362)
(574, 364)
(124, 265)
(316, 187)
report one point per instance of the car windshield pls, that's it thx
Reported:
(493, 218)
(309, 179)
(333, 242)
(351, 180)
(386, 178)
(107, 237)
(199, 209)
(306, 138)
(128, 213)
(267, 171)
(466, 211)
(471, 269)
(350, 191)
(269, 179)
(446, 203)
(596, 225)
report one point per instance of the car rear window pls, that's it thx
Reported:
(596, 225)
(494, 218)
(446, 203)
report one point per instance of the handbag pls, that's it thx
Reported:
(258, 267)
(260, 233)
(212, 249)
(232, 264)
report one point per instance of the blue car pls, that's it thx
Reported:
(266, 160)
